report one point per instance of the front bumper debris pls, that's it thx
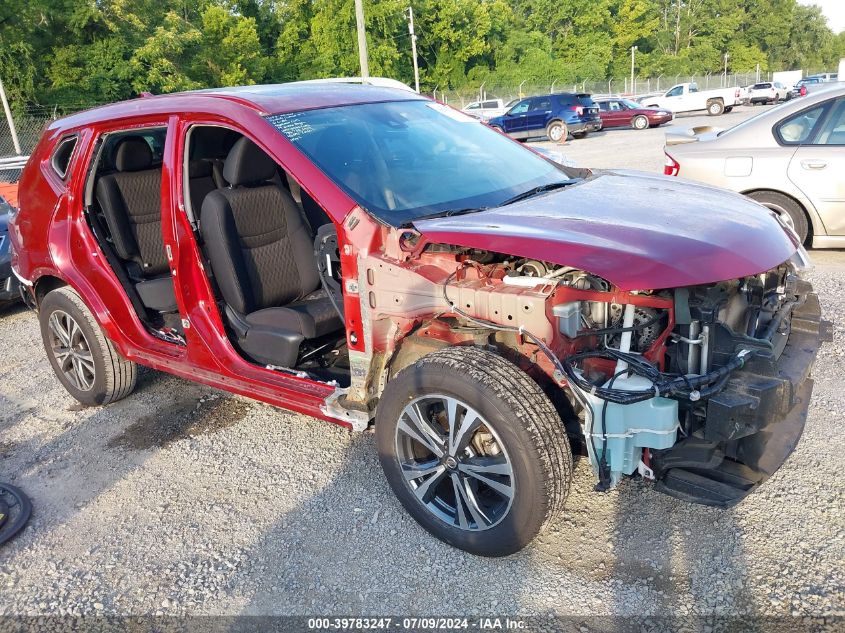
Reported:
(754, 424)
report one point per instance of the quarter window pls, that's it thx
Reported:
(62, 155)
(798, 128)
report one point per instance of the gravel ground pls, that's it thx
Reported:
(184, 500)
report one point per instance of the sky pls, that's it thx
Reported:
(834, 10)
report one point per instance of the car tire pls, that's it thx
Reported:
(557, 132)
(639, 122)
(85, 361)
(514, 421)
(787, 208)
(715, 107)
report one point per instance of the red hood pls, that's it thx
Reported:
(638, 231)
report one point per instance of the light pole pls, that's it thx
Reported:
(726, 69)
(414, 47)
(362, 40)
(633, 87)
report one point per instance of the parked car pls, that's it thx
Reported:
(9, 287)
(617, 112)
(768, 92)
(367, 256)
(485, 110)
(790, 158)
(825, 77)
(800, 87)
(687, 97)
(554, 115)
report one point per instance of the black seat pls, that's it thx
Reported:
(261, 254)
(130, 200)
(200, 182)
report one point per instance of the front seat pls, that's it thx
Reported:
(130, 200)
(261, 254)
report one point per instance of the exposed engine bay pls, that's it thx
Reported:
(681, 386)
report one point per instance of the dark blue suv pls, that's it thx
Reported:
(555, 116)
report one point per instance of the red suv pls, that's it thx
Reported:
(368, 256)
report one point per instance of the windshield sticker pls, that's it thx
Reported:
(291, 125)
(452, 113)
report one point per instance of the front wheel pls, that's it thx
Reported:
(474, 450)
(715, 108)
(85, 361)
(640, 122)
(557, 132)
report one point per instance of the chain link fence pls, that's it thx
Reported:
(614, 86)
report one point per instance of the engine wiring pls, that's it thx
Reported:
(678, 387)
(691, 388)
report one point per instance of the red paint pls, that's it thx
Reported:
(635, 230)
(638, 232)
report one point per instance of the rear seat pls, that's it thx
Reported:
(130, 199)
(201, 182)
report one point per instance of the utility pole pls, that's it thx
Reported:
(633, 86)
(9, 119)
(362, 40)
(414, 48)
(726, 69)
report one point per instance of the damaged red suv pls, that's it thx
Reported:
(371, 257)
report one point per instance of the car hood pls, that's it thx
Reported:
(636, 230)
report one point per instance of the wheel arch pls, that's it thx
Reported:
(45, 284)
(816, 226)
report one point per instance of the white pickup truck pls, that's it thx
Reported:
(688, 98)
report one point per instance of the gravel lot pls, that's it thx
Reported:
(184, 500)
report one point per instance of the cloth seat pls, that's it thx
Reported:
(261, 254)
(130, 200)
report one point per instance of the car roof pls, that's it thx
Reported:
(262, 99)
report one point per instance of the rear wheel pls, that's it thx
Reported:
(85, 361)
(557, 132)
(474, 450)
(789, 210)
(715, 107)
(640, 122)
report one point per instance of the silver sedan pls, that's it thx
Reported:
(790, 158)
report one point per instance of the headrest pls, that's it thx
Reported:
(247, 164)
(199, 169)
(133, 154)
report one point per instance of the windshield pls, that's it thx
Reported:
(632, 104)
(409, 159)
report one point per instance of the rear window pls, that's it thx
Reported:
(761, 86)
(490, 104)
(586, 101)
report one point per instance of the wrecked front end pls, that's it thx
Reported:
(713, 409)
(702, 389)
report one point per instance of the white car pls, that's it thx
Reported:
(486, 109)
(768, 92)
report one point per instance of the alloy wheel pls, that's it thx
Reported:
(71, 350)
(454, 462)
(555, 133)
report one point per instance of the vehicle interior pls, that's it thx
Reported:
(123, 207)
(270, 250)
